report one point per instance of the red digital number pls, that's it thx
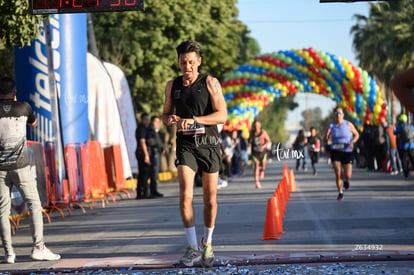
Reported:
(48, 4)
(52, 4)
(115, 3)
(93, 3)
(130, 2)
(40, 4)
(55, 4)
(77, 3)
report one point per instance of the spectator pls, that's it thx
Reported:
(15, 170)
(143, 157)
(367, 136)
(227, 154)
(299, 145)
(236, 159)
(393, 155)
(156, 148)
(405, 143)
(244, 162)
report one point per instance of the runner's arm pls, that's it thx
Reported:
(168, 118)
(268, 141)
(327, 135)
(219, 115)
(354, 133)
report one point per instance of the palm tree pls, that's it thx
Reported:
(383, 42)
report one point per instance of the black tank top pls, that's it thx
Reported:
(194, 100)
(257, 142)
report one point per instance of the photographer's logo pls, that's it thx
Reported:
(286, 153)
(200, 140)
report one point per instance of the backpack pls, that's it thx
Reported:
(407, 134)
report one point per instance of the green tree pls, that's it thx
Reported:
(17, 28)
(143, 43)
(383, 41)
(273, 118)
(311, 117)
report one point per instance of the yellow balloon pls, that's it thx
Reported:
(380, 101)
(353, 99)
(377, 109)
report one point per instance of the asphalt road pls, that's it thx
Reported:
(373, 225)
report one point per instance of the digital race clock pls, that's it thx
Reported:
(84, 6)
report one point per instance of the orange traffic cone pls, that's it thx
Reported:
(281, 190)
(278, 214)
(286, 176)
(273, 222)
(285, 186)
(292, 182)
(285, 168)
(281, 199)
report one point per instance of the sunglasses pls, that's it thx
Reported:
(339, 113)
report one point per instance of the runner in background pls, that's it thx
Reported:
(314, 147)
(299, 145)
(260, 142)
(343, 135)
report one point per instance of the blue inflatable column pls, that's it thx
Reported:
(69, 46)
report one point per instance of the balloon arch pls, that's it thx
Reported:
(250, 87)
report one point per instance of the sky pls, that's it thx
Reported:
(297, 24)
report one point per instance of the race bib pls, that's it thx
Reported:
(194, 129)
(339, 146)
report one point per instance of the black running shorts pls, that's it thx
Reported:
(343, 157)
(206, 159)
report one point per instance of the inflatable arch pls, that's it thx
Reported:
(250, 87)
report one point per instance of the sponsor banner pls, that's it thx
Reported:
(104, 115)
(126, 112)
(68, 43)
(74, 88)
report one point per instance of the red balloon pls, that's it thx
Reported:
(381, 119)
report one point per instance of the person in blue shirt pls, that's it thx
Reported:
(405, 145)
(343, 135)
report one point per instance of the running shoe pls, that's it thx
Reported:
(340, 196)
(10, 258)
(207, 255)
(346, 184)
(44, 254)
(191, 257)
(222, 184)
